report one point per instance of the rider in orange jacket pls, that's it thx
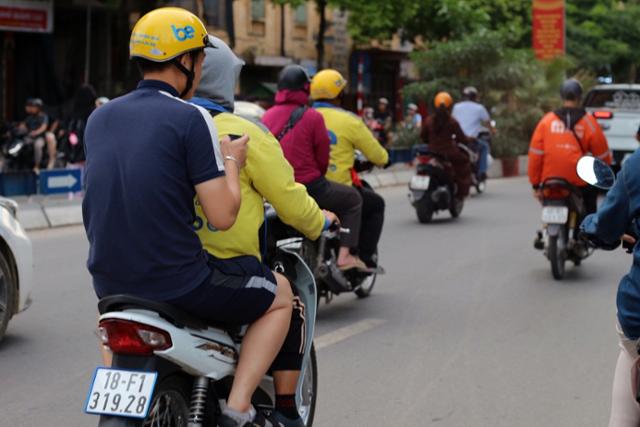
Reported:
(561, 138)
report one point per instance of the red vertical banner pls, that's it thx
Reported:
(548, 18)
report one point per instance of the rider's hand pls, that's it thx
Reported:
(331, 217)
(236, 148)
(537, 193)
(629, 239)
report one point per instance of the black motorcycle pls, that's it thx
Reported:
(562, 209)
(320, 256)
(433, 188)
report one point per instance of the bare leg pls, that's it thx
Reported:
(345, 258)
(285, 382)
(51, 149)
(260, 346)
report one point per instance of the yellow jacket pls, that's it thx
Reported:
(266, 175)
(348, 133)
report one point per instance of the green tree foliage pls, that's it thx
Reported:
(517, 87)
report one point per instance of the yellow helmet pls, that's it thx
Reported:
(166, 33)
(327, 84)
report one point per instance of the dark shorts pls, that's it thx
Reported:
(238, 292)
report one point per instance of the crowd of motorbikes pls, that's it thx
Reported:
(17, 149)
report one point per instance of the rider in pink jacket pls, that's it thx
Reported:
(305, 142)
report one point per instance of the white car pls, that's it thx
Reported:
(617, 109)
(16, 265)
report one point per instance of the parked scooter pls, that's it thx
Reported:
(172, 369)
(433, 188)
(562, 210)
(16, 149)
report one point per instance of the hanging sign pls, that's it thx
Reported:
(34, 16)
(548, 18)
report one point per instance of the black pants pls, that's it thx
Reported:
(342, 200)
(589, 199)
(372, 222)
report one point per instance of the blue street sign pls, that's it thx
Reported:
(60, 181)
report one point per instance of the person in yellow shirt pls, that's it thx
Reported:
(266, 176)
(349, 133)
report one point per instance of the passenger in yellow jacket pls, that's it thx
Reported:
(349, 133)
(268, 176)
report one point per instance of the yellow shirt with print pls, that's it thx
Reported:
(266, 175)
(349, 133)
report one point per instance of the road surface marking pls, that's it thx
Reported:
(342, 334)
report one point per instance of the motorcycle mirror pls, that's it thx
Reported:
(595, 172)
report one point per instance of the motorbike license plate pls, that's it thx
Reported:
(121, 393)
(555, 214)
(420, 182)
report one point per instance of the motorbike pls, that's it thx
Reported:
(321, 256)
(17, 150)
(479, 179)
(172, 369)
(433, 188)
(562, 209)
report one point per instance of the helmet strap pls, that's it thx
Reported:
(189, 73)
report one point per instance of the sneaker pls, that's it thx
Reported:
(258, 421)
(286, 422)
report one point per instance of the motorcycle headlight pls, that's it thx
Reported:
(10, 205)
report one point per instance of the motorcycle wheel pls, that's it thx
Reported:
(307, 406)
(424, 210)
(8, 289)
(456, 207)
(556, 258)
(170, 405)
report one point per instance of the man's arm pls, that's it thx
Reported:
(273, 177)
(598, 142)
(363, 140)
(614, 215)
(207, 162)
(41, 129)
(536, 155)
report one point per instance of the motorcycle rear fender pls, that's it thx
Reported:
(194, 351)
(554, 229)
(305, 285)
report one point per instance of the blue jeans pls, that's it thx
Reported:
(483, 152)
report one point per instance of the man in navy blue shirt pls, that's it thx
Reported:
(149, 154)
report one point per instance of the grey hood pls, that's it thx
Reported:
(220, 73)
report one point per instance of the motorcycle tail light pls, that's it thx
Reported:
(132, 338)
(603, 115)
(423, 160)
(555, 193)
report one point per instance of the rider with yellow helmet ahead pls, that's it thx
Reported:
(348, 133)
(149, 154)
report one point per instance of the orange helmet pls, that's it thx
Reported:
(443, 98)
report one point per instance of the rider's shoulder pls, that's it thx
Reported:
(229, 123)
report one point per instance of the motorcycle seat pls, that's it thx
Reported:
(174, 315)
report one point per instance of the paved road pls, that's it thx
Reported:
(467, 328)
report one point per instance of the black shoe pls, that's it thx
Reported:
(538, 242)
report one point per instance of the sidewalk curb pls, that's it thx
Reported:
(53, 213)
